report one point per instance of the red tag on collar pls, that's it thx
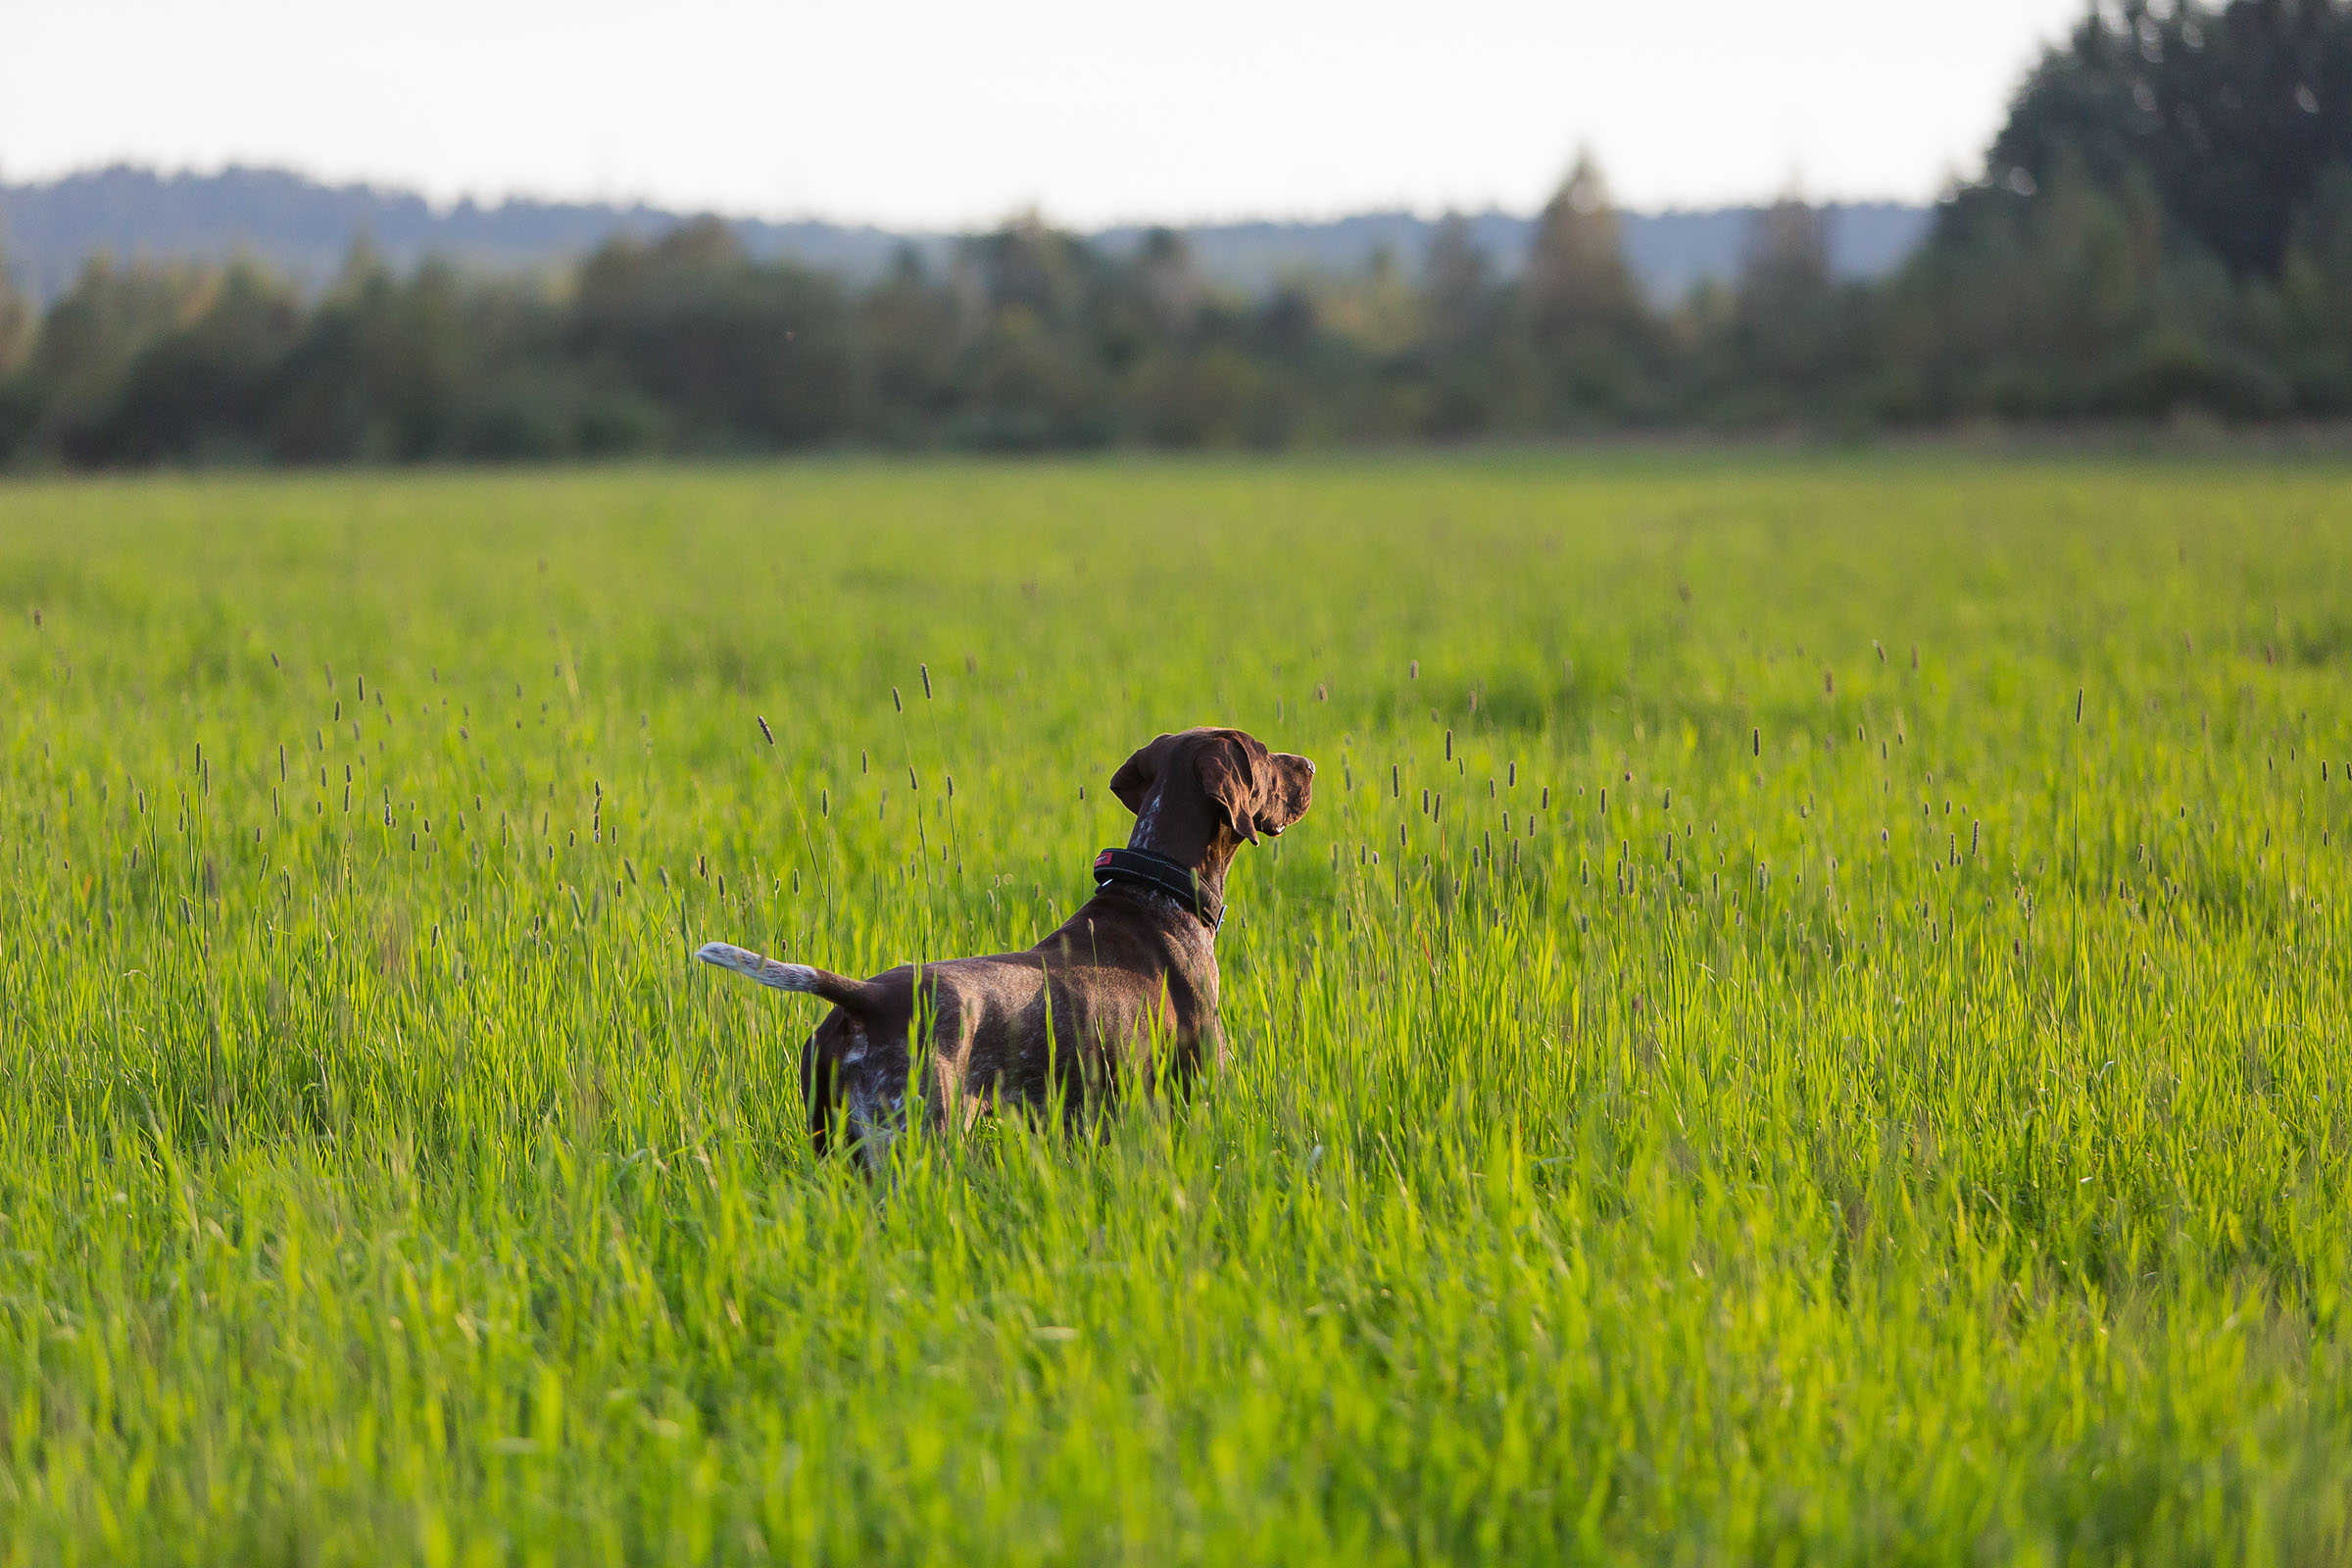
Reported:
(1103, 859)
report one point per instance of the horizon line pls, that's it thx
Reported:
(619, 204)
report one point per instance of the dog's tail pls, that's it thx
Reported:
(840, 989)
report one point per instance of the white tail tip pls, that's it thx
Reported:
(751, 965)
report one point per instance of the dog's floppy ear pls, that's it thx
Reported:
(1135, 775)
(1229, 778)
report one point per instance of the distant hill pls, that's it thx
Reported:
(1670, 253)
(303, 229)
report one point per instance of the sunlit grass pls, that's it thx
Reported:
(1850, 1061)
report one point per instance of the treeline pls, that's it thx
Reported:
(2164, 224)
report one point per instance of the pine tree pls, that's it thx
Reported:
(16, 325)
(1592, 339)
(1576, 279)
(1455, 282)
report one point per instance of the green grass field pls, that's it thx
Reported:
(1849, 1063)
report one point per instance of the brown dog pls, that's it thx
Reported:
(1133, 968)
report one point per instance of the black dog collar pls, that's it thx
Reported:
(1163, 875)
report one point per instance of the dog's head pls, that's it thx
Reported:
(1215, 779)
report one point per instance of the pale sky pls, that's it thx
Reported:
(934, 115)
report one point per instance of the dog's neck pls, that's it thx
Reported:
(1191, 838)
